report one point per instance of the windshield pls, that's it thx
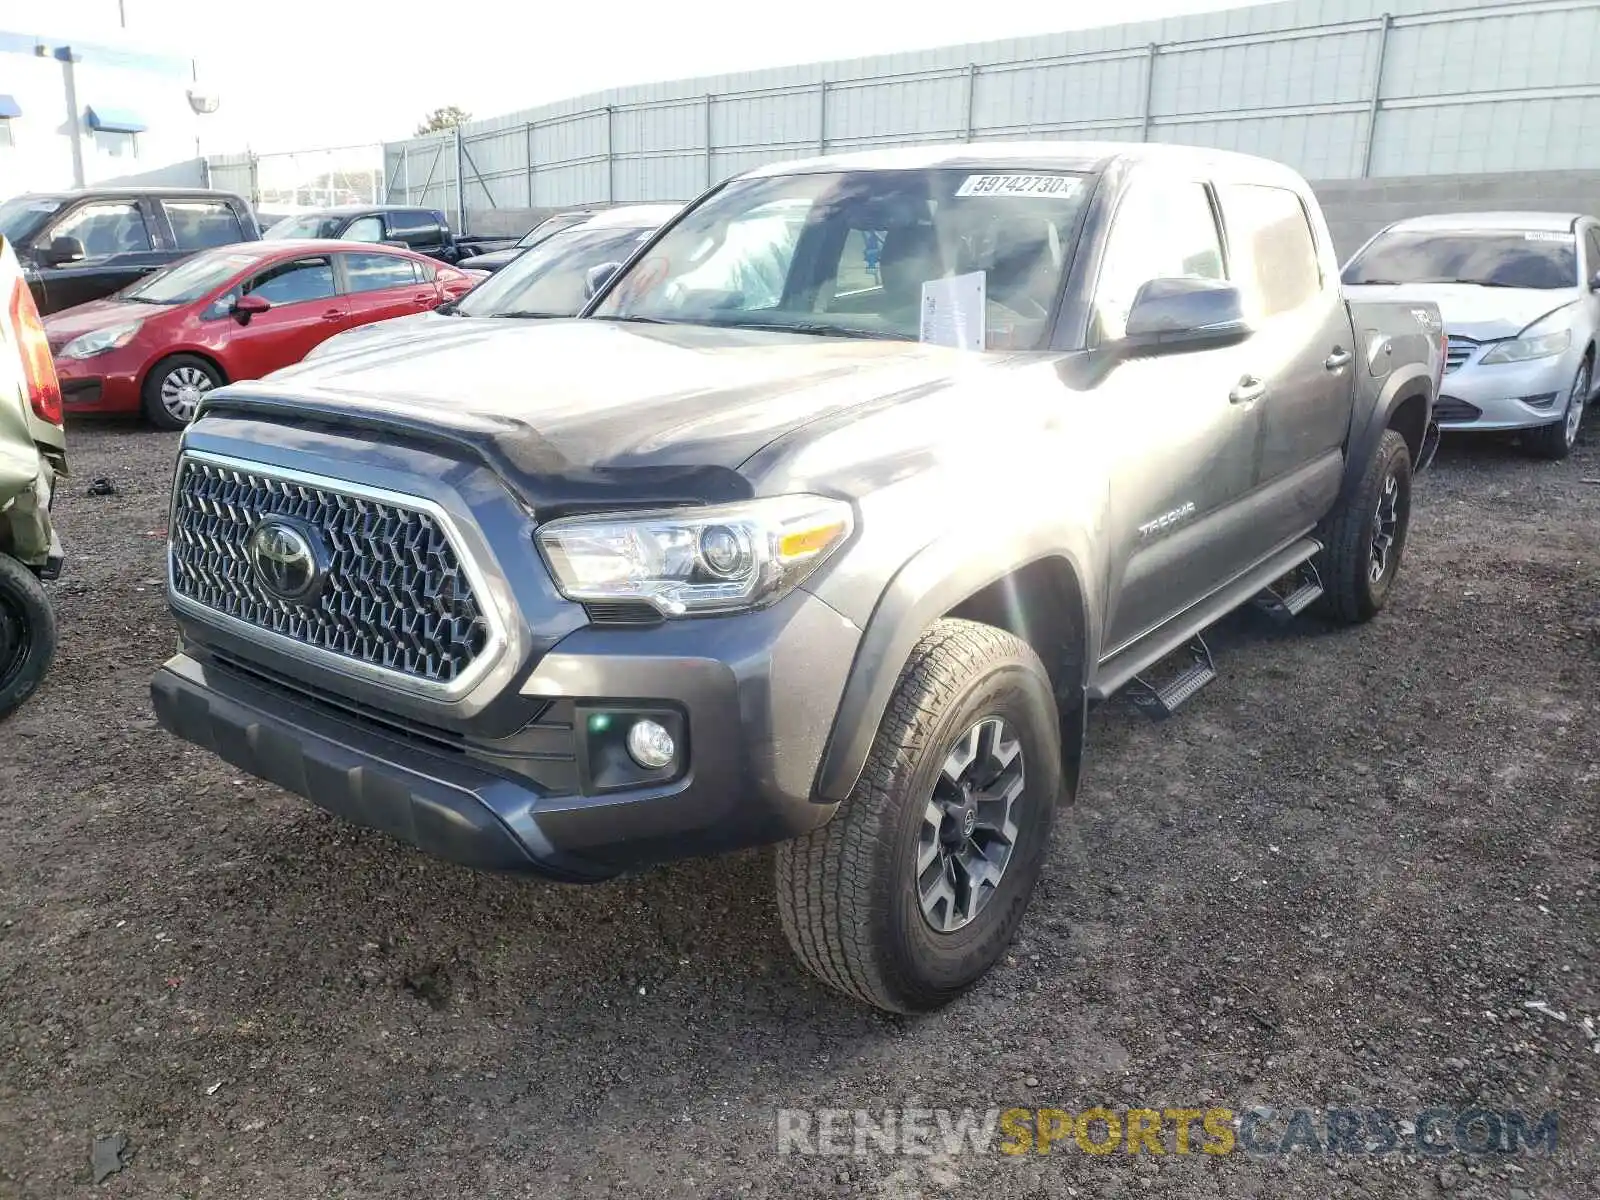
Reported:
(189, 280)
(1500, 258)
(862, 253)
(21, 216)
(548, 281)
(309, 226)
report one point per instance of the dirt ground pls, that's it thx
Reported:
(1336, 879)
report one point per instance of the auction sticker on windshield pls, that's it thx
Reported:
(1545, 236)
(1018, 185)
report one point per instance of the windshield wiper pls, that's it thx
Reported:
(635, 320)
(816, 329)
(1476, 282)
(528, 312)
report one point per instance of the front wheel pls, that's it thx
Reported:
(27, 634)
(914, 890)
(1364, 537)
(1555, 441)
(175, 387)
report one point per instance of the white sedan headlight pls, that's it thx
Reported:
(113, 337)
(1523, 349)
(696, 560)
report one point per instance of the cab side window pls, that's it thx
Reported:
(1593, 241)
(105, 227)
(1274, 247)
(1160, 231)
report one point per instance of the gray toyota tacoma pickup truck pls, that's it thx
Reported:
(751, 553)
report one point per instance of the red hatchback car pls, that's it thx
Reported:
(235, 312)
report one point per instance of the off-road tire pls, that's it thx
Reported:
(1555, 441)
(847, 893)
(150, 393)
(29, 643)
(1350, 594)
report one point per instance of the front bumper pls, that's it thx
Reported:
(754, 694)
(1506, 395)
(98, 385)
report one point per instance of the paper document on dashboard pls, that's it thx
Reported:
(953, 311)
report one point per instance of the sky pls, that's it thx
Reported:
(302, 74)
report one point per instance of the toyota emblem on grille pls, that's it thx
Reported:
(286, 560)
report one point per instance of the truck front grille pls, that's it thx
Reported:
(394, 595)
(1457, 351)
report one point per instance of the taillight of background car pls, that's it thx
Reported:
(38, 368)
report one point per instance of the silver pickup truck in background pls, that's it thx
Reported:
(740, 556)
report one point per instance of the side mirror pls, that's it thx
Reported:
(246, 307)
(1171, 315)
(1594, 284)
(597, 277)
(63, 250)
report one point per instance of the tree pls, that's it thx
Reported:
(444, 118)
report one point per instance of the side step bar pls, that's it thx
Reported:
(1120, 669)
(1158, 703)
(1302, 590)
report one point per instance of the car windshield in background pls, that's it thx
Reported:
(547, 229)
(1535, 259)
(22, 215)
(548, 281)
(848, 253)
(303, 227)
(189, 280)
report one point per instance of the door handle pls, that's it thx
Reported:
(1339, 358)
(334, 314)
(1247, 391)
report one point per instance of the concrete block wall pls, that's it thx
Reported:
(1357, 208)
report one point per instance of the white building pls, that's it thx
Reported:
(79, 113)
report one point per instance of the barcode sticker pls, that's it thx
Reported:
(1545, 236)
(1019, 185)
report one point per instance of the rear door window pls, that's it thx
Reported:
(295, 282)
(1593, 241)
(374, 272)
(364, 229)
(201, 224)
(1270, 236)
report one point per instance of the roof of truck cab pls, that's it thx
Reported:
(1086, 157)
(171, 193)
(1533, 221)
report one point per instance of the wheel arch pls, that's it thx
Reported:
(181, 352)
(1406, 397)
(1036, 592)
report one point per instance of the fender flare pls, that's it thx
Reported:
(1404, 384)
(930, 584)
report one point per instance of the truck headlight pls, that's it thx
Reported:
(1523, 349)
(113, 337)
(696, 560)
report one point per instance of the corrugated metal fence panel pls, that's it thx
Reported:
(1498, 85)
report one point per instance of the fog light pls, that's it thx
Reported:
(650, 745)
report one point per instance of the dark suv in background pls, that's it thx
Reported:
(83, 245)
(424, 230)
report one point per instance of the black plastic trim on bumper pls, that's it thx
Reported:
(736, 681)
(435, 803)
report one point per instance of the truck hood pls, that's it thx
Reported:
(583, 412)
(1483, 314)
